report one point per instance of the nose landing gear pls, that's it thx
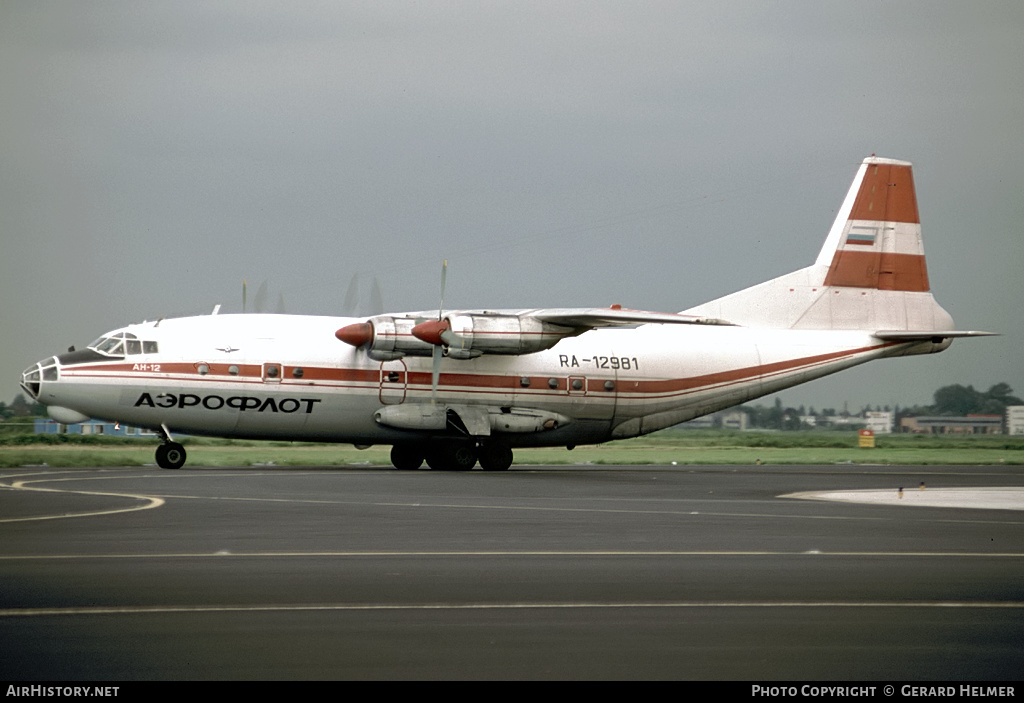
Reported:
(170, 454)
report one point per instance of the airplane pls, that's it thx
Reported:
(454, 388)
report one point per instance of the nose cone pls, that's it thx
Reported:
(358, 335)
(47, 372)
(30, 380)
(430, 332)
(33, 377)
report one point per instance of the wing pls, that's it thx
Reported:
(469, 334)
(585, 319)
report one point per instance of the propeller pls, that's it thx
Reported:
(353, 307)
(350, 307)
(261, 298)
(259, 303)
(437, 351)
(376, 299)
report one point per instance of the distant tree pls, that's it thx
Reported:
(965, 400)
(776, 416)
(20, 407)
(1001, 393)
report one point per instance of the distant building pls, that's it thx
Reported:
(1015, 419)
(942, 424)
(880, 421)
(90, 427)
(732, 419)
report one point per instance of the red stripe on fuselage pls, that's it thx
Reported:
(486, 383)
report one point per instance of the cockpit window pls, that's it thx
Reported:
(113, 346)
(123, 343)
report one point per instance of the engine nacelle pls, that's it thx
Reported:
(472, 335)
(385, 338)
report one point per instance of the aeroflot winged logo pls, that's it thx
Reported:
(216, 402)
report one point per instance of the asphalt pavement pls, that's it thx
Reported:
(577, 572)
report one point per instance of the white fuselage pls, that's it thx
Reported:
(287, 377)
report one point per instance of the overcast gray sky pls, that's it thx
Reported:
(654, 154)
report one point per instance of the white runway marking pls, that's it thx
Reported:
(506, 554)
(321, 607)
(149, 501)
(986, 498)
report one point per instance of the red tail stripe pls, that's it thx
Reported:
(886, 194)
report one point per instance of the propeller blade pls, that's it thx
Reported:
(437, 351)
(444, 277)
(261, 298)
(351, 305)
(376, 299)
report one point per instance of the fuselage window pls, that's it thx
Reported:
(149, 348)
(134, 346)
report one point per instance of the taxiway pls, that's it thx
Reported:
(578, 572)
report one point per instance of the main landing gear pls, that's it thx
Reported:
(452, 456)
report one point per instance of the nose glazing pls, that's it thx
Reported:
(33, 376)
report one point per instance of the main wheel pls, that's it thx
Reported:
(406, 457)
(495, 456)
(170, 456)
(451, 456)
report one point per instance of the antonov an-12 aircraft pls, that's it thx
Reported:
(456, 387)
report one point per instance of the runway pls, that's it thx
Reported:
(572, 572)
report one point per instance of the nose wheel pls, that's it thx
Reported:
(170, 455)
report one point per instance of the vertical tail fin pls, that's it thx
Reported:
(876, 239)
(869, 275)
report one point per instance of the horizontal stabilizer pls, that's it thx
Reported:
(923, 335)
